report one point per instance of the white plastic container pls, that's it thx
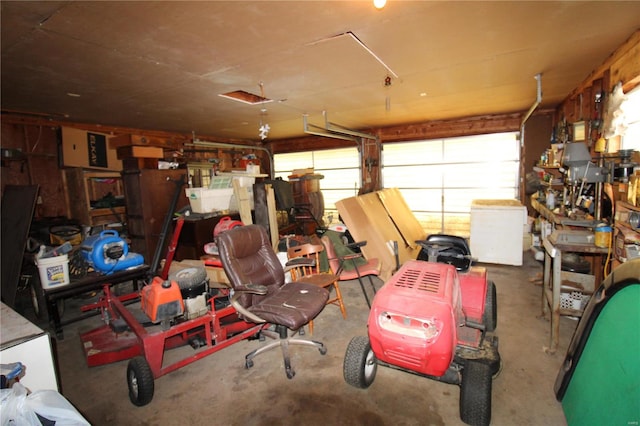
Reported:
(205, 200)
(54, 271)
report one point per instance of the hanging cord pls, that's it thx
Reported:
(607, 263)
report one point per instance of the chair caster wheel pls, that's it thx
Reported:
(290, 373)
(323, 351)
(248, 364)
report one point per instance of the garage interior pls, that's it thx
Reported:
(120, 118)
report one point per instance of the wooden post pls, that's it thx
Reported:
(244, 205)
(273, 221)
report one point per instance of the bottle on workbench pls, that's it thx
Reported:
(551, 200)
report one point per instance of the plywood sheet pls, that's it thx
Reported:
(402, 216)
(367, 219)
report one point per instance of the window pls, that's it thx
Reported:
(340, 168)
(440, 178)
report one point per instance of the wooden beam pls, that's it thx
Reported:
(622, 63)
(450, 128)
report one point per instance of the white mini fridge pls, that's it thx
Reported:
(497, 228)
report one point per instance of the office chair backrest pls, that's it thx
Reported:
(248, 258)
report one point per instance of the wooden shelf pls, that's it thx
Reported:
(85, 187)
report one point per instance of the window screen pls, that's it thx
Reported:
(340, 168)
(440, 178)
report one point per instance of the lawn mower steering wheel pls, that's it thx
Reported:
(434, 248)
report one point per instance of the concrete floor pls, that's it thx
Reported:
(218, 389)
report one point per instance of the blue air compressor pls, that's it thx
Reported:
(107, 252)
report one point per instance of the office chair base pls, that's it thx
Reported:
(283, 342)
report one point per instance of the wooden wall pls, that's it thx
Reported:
(622, 66)
(33, 160)
(35, 147)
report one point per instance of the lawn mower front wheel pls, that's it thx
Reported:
(140, 381)
(360, 363)
(475, 393)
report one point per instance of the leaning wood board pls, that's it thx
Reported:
(402, 217)
(369, 220)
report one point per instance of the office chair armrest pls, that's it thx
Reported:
(351, 256)
(356, 244)
(249, 288)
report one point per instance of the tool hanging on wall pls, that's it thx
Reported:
(370, 162)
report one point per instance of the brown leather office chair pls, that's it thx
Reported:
(352, 266)
(311, 274)
(261, 294)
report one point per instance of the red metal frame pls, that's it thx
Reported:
(219, 329)
(171, 250)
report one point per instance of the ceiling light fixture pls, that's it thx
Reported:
(379, 4)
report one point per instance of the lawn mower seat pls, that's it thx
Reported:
(261, 294)
(458, 255)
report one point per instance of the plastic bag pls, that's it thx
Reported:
(20, 409)
(14, 409)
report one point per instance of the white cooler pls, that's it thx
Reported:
(497, 228)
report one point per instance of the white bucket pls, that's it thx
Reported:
(54, 271)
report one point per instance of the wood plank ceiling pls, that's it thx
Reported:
(163, 65)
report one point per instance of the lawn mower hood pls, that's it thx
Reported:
(415, 316)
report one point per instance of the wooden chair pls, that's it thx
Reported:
(313, 274)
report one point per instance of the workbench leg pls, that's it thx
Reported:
(546, 278)
(54, 318)
(555, 303)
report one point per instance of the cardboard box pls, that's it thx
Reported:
(137, 140)
(139, 152)
(81, 148)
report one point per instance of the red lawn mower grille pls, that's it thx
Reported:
(420, 279)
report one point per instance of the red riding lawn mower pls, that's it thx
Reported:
(433, 318)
